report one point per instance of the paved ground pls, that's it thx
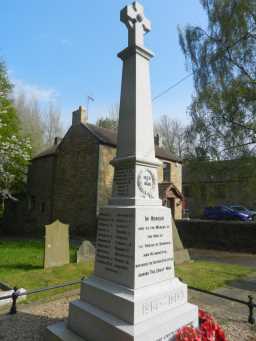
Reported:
(244, 259)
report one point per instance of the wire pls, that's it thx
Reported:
(189, 75)
(172, 86)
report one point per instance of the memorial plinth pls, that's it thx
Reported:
(134, 294)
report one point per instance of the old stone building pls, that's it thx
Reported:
(71, 180)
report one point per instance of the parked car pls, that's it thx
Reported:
(243, 209)
(223, 212)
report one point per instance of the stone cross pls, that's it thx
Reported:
(133, 17)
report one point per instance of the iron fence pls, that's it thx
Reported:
(16, 294)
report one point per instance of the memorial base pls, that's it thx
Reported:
(110, 312)
(92, 324)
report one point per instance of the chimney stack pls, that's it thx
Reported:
(79, 116)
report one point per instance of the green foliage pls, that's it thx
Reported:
(14, 150)
(8, 115)
(223, 61)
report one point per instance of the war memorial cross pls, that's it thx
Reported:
(133, 17)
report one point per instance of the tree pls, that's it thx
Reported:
(110, 121)
(223, 62)
(14, 150)
(42, 125)
(172, 134)
(30, 117)
(52, 125)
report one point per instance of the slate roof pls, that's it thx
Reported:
(47, 152)
(109, 137)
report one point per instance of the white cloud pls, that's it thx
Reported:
(33, 91)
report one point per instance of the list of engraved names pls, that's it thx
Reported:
(154, 249)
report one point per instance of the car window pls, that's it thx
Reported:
(238, 208)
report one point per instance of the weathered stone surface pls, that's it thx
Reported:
(56, 245)
(86, 252)
(181, 254)
(75, 184)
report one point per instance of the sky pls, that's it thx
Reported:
(64, 51)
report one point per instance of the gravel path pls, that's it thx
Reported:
(31, 321)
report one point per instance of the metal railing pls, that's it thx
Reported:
(16, 294)
(250, 303)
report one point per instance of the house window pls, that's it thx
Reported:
(166, 172)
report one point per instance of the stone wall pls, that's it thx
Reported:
(40, 191)
(176, 179)
(106, 174)
(33, 209)
(75, 190)
(176, 175)
(218, 235)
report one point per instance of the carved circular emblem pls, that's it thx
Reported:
(146, 182)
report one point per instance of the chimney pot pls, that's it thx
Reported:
(79, 116)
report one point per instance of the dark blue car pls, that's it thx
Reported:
(226, 213)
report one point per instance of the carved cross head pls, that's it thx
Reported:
(133, 17)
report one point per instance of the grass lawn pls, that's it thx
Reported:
(210, 275)
(21, 264)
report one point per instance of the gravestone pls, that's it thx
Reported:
(56, 249)
(86, 252)
(134, 294)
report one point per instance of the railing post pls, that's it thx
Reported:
(251, 318)
(15, 295)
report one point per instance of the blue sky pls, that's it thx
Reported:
(66, 50)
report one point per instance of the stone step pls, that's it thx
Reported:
(94, 324)
(133, 306)
(60, 332)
